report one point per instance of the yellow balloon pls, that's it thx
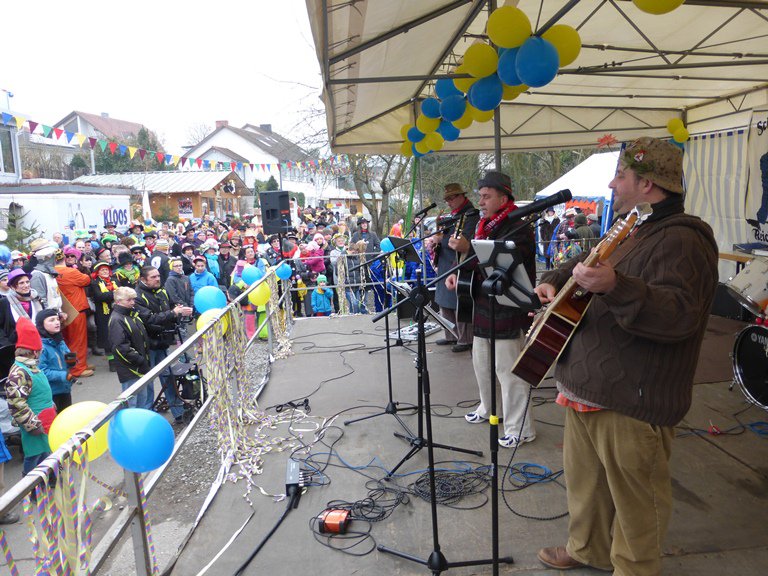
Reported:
(512, 92)
(427, 125)
(508, 27)
(480, 60)
(73, 419)
(480, 115)
(463, 84)
(406, 149)
(566, 40)
(208, 315)
(674, 125)
(681, 135)
(404, 131)
(434, 141)
(422, 147)
(260, 295)
(657, 6)
(465, 121)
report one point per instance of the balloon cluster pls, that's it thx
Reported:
(678, 130)
(139, 440)
(521, 61)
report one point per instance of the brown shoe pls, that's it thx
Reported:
(86, 373)
(557, 557)
(90, 367)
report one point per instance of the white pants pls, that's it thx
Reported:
(514, 391)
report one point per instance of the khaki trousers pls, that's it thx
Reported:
(619, 491)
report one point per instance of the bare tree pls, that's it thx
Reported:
(375, 178)
(196, 133)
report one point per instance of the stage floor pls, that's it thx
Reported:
(720, 483)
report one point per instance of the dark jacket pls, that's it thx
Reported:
(179, 289)
(155, 309)
(129, 341)
(102, 299)
(637, 346)
(510, 322)
(225, 270)
(160, 260)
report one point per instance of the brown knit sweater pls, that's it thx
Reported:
(637, 346)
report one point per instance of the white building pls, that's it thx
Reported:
(269, 153)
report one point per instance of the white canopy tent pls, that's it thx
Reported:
(587, 180)
(706, 62)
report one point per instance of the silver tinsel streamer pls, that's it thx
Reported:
(341, 283)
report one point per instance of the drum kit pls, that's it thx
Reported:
(750, 352)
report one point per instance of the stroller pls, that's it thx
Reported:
(191, 389)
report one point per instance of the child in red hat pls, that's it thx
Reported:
(29, 395)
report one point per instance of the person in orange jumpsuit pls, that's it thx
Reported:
(72, 285)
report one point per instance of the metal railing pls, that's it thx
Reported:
(133, 513)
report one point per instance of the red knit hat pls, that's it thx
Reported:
(28, 336)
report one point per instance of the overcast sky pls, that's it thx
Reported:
(167, 65)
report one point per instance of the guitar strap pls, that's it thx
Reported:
(623, 249)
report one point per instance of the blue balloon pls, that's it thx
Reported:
(537, 62)
(284, 271)
(209, 297)
(415, 135)
(431, 108)
(448, 131)
(386, 245)
(486, 93)
(140, 440)
(453, 107)
(251, 274)
(5, 254)
(507, 70)
(445, 88)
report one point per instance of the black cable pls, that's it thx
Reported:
(294, 492)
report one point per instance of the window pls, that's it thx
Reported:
(6, 152)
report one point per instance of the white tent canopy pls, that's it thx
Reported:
(587, 180)
(706, 62)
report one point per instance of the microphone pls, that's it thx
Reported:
(425, 210)
(539, 205)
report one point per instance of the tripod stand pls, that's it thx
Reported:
(436, 561)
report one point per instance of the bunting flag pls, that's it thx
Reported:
(334, 164)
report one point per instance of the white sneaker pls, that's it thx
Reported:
(514, 441)
(474, 418)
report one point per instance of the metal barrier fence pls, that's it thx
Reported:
(35, 490)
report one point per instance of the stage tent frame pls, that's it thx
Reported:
(706, 63)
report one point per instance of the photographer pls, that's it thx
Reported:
(56, 361)
(154, 307)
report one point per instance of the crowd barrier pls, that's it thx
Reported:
(60, 521)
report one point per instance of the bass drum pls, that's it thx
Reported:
(750, 364)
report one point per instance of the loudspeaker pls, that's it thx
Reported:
(275, 212)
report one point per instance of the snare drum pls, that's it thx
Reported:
(750, 286)
(750, 364)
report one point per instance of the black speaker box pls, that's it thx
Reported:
(275, 212)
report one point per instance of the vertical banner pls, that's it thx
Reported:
(756, 208)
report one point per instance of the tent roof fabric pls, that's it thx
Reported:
(587, 180)
(706, 62)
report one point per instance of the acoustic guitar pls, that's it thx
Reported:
(465, 305)
(553, 328)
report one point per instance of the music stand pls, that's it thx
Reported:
(506, 282)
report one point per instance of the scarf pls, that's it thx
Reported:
(460, 208)
(486, 226)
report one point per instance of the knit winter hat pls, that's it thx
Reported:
(27, 335)
(41, 316)
(318, 236)
(659, 161)
(580, 220)
(124, 258)
(322, 278)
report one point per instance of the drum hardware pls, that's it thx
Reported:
(750, 364)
